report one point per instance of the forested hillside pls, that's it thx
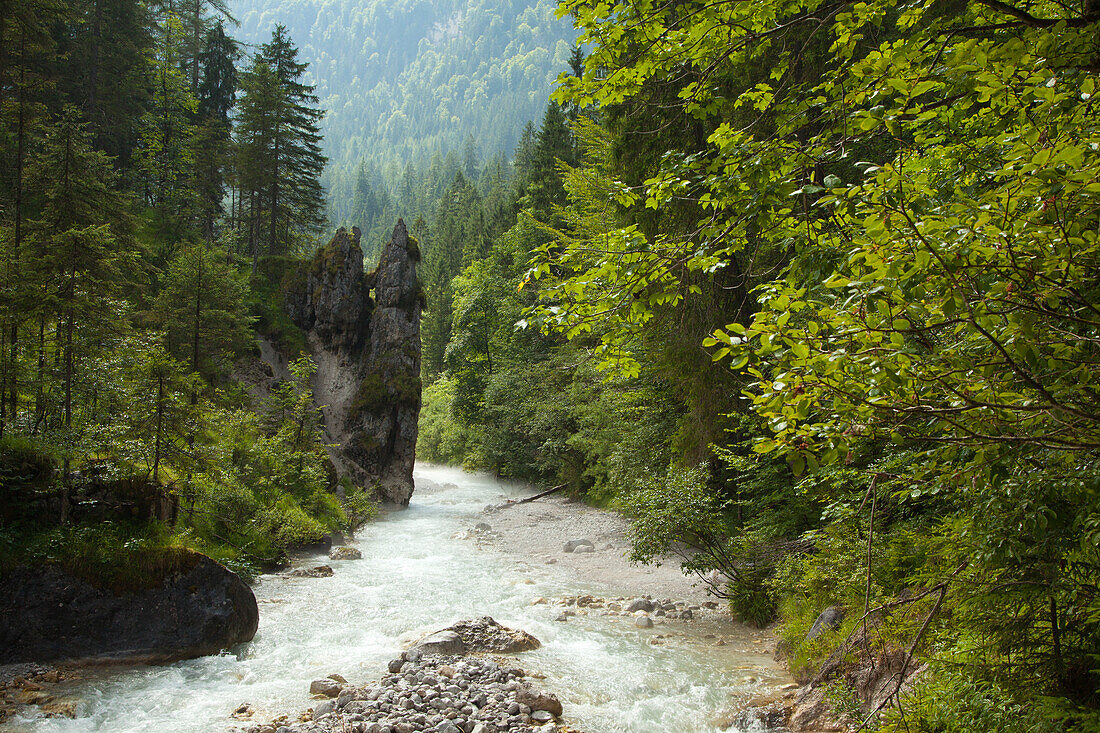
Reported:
(158, 181)
(402, 80)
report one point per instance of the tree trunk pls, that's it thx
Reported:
(160, 423)
(93, 64)
(198, 317)
(40, 387)
(70, 317)
(196, 40)
(274, 197)
(20, 153)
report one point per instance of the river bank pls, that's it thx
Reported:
(538, 532)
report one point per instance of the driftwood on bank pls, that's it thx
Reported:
(539, 495)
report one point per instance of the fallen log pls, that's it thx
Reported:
(531, 498)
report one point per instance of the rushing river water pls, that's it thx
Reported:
(415, 577)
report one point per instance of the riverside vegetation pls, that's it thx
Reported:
(157, 184)
(809, 289)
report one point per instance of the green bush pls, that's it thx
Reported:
(947, 701)
(750, 599)
(115, 555)
(442, 438)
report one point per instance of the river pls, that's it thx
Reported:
(416, 576)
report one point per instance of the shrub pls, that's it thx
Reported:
(947, 701)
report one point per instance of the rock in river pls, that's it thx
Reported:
(487, 636)
(345, 553)
(436, 695)
(441, 642)
(325, 688)
(321, 571)
(473, 636)
(191, 606)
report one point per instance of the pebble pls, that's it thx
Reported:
(433, 694)
(326, 687)
(577, 545)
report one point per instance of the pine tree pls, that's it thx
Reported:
(197, 26)
(280, 156)
(458, 239)
(524, 156)
(554, 142)
(81, 265)
(295, 198)
(217, 87)
(103, 69)
(217, 95)
(165, 156)
(202, 310)
(25, 78)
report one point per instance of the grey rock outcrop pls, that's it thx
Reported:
(829, 619)
(363, 329)
(195, 608)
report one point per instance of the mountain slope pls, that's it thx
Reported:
(403, 79)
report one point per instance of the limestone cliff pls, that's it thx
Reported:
(363, 330)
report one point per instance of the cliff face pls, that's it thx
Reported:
(364, 334)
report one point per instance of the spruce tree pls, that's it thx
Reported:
(165, 156)
(81, 263)
(202, 310)
(280, 149)
(25, 80)
(217, 87)
(217, 95)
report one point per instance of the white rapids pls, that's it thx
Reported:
(414, 577)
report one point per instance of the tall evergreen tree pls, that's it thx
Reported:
(80, 261)
(280, 155)
(199, 18)
(458, 239)
(25, 79)
(165, 157)
(217, 95)
(103, 69)
(295, 196)
(554, 142)
(217, 86)
(202, 310)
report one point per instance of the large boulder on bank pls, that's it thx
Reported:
(185, 606)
